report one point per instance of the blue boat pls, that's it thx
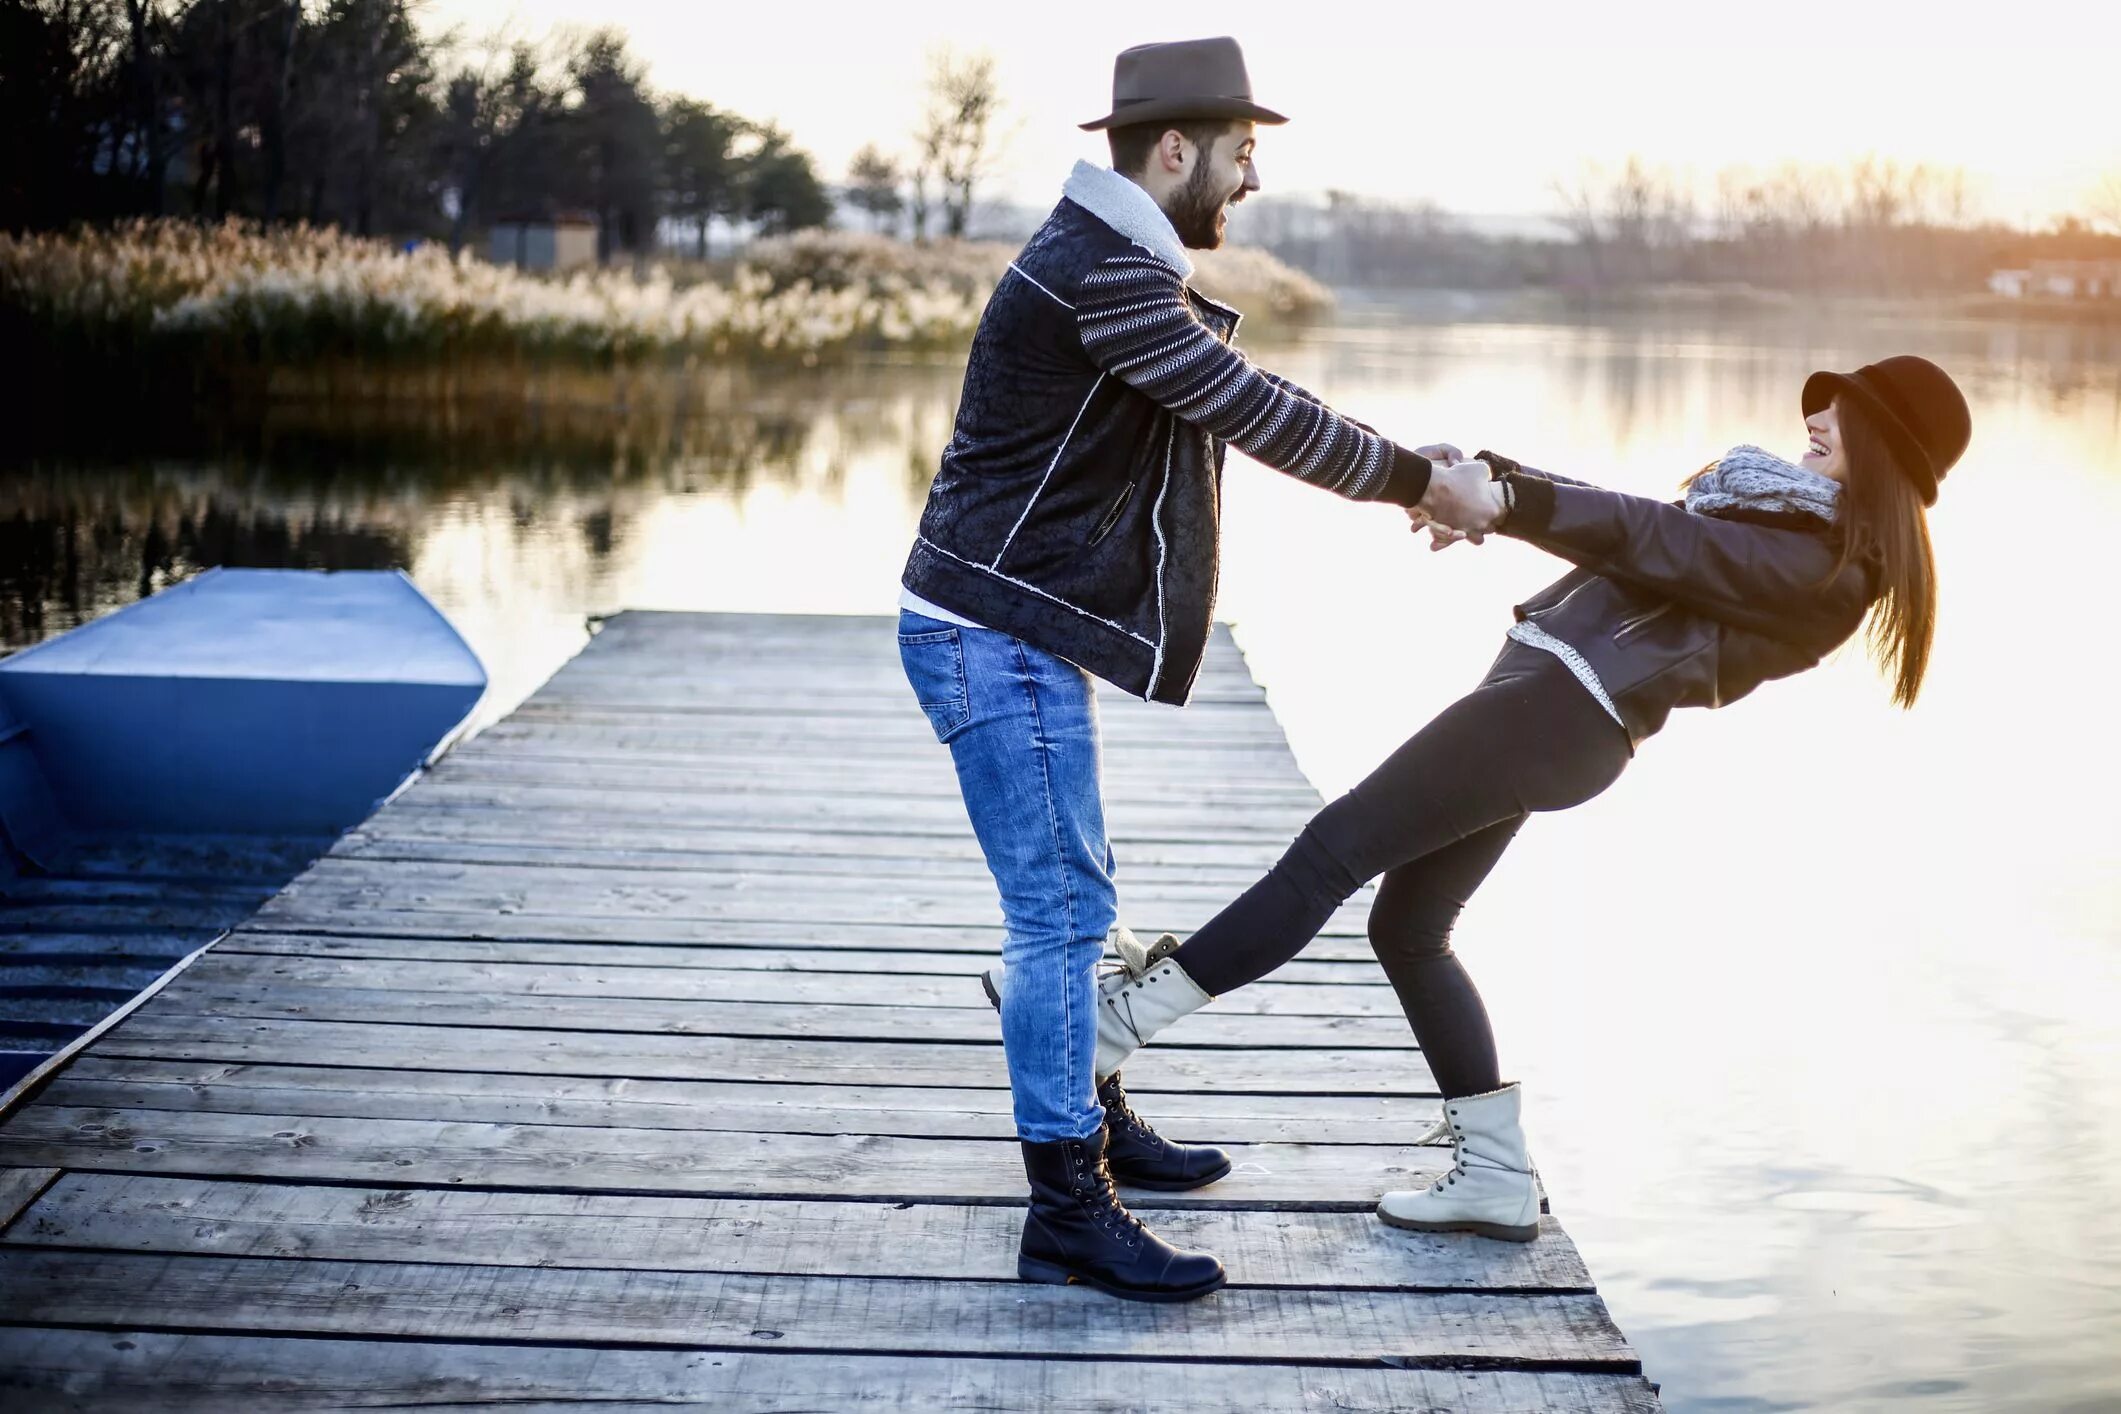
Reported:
(167, 767)
(243, 702)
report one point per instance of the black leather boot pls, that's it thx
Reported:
(1079, 1231)
(1139, 1156)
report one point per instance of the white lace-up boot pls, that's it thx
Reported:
(1141, 996)
(1491, 1188)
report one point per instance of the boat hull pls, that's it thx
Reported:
(243, 702)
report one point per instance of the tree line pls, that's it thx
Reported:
(342, 112)
(1869, 226)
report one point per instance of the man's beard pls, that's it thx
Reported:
(1195, 211)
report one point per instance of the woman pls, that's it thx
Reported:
(1762, 571)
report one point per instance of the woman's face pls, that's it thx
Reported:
(1825, 455)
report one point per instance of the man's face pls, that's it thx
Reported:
(1223, 174)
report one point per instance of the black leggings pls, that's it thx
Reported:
(1433, 820)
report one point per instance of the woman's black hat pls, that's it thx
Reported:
(1919, 410)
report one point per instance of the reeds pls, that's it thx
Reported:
(237, 295)
(169, 321)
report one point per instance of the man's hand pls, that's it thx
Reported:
(1441, 453)
(1461, 497)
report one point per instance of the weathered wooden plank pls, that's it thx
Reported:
(1237, 726)
(791, 867)
(19, 1188)
(910, 745)
(874, 667)
(1306, 970)
(826, 1021)
(921, 760)
(734, 775)
(619, 1160)
(874, 663)
(1339, 943)
(129, 1213)
(209, 1374)
(633, 773)
(563, 888)
(392, 826)
(910, 753)
(673, 890)
(813, 699)
(957, 990)
(919, 816)
(128, 1083)
(773, 1061)
(804, 1313)
(706, 915)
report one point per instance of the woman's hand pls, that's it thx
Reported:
(1462, 500)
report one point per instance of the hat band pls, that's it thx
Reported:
(1121, 104)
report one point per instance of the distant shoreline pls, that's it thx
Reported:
(1542, 303)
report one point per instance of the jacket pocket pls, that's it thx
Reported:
(935, 666)
(1630, 627)
(1111, 517)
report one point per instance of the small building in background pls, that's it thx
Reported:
(564, 240)
(2077, 279)
(2011, 284)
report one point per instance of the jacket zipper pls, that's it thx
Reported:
(1550, 608)
(1104, 527)
(1641, 621)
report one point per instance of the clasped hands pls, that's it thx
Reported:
(1463, 502)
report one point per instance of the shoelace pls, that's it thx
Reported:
(1135, 960)
(1115, 1217)
(1117, 1109)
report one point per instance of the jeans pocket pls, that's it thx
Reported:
(935, 665)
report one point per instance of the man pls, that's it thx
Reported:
(1072, 533)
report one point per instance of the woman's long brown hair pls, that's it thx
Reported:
(1881, 517)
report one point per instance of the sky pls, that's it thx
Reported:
(1479, 109)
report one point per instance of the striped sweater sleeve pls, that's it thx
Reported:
(1135, 324)
(1308, 396)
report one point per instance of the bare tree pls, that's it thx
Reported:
(955, 144)
(2104, 207)
(1629, 226)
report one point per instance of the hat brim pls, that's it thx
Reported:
(1822, 388)
(1156, 110)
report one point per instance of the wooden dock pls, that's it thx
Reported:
(635, 1056)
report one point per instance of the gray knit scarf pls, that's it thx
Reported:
(1747, 478)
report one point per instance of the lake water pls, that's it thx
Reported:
(1818, 1011)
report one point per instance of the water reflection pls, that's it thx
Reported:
(1817, 1009)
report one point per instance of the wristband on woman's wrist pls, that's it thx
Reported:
(1509, 499)
(1499, 465)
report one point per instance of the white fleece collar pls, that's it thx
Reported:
(1124, 205)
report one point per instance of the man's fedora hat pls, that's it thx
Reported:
(1191, 78)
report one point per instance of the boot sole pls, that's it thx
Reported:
(1043, 1273)
(1166, 1185)
(1501, 1232)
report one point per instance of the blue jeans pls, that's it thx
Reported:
(1021, 726)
